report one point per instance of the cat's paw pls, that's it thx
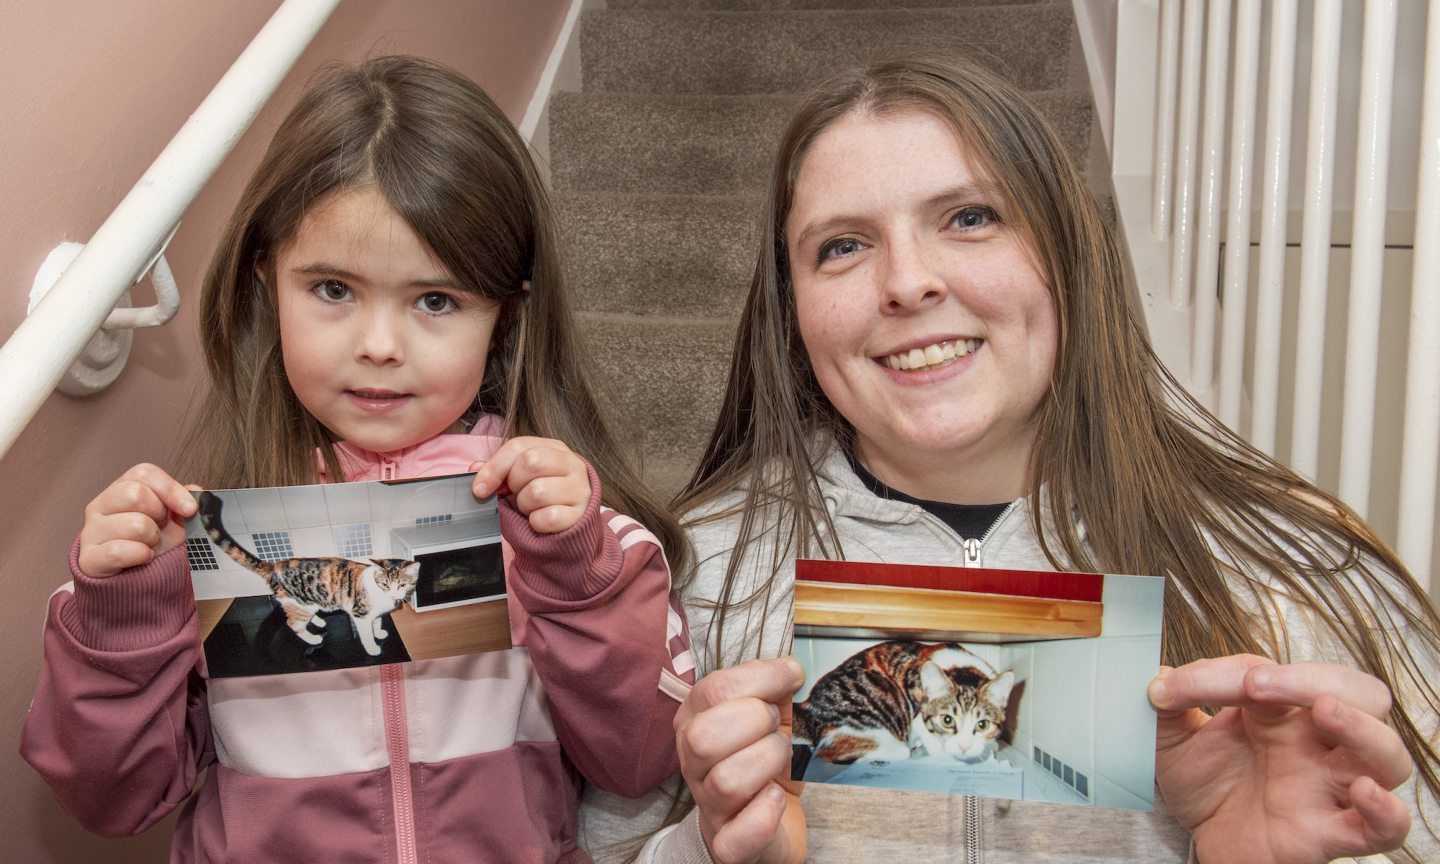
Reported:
(381, 632)
(312, 638)
(317, 621)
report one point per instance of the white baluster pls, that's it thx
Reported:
(1212, 166)
(1420, 454)
(1186, 143)
(1315, 237)
(1166, 94)
(1275, 208)
(1237, 234)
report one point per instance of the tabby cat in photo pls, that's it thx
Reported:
(897, 697)
(306, 587)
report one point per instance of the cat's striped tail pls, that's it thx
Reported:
(210, 505)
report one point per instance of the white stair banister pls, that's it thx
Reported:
(1186, 141)
(45, 344)
(1367, 245)
(1420, 452)
(1315, 239)
(1212, 170)
(1275, 208)
(1237, 232)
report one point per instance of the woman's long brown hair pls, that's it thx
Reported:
(454, 168)
(1160, 486)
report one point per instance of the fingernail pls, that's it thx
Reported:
(1262, 678)
(797, 672)
(1158, 697)
(774, 715)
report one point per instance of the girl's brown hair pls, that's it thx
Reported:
(454, 168)
(1158, 483)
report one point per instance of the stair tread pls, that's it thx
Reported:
(712, 145)
(736, 52)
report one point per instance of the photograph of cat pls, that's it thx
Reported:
(305, 587)
(899, 698)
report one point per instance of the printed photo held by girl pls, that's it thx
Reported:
(939, 362)
(385, 303)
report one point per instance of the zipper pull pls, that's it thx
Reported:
(387, 469)
(972, 552)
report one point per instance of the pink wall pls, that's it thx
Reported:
(92, 93)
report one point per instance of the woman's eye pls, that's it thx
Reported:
(839, 248)
(333, 290)
(436, 303)
(970, 218)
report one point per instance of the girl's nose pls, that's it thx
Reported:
(380, 340)
(911, 280)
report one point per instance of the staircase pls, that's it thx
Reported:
(659, 163)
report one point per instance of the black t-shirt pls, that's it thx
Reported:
(970, 521)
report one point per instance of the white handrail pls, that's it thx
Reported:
(45, 344)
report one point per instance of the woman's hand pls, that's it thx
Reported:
(1296, 767)
(136, 518)
(733, 735)
(546, 482)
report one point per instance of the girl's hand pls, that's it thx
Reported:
(546, 482)
(733, 737)
(1296, 767)
(136, 518)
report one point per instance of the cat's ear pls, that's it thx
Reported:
(997, 692)
(934, 681)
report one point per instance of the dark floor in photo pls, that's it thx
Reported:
(252, 638)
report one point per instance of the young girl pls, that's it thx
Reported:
(385, 303)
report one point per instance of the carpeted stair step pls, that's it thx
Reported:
(707, 145)
(662, 380)
(766, 5)
(659, 254)
(717, 53)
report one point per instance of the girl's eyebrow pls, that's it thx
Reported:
(970, 191)
(320, 268)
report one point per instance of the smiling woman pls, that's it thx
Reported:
(937, 364)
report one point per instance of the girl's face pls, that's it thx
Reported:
(925, 320)
(380, 344)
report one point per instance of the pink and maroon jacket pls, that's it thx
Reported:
(475, 758)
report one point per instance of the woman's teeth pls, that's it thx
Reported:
(932, 355)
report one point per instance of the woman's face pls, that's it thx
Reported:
(923, 315)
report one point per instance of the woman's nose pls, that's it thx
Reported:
(911, 278)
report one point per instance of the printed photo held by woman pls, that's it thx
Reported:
(940, 362)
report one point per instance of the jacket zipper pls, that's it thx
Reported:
(972, 829)
(397, 737)
(972, 546)
(970, 804)
(397, 746)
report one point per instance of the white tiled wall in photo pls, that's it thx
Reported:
(1123, 714)
(304, 506)
(353, 540)
(318, 521)
(1061, 700)
(312, 542)
(272, 545)
(347, 502)
(260, 508)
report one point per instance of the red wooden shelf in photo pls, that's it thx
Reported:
(937, 603)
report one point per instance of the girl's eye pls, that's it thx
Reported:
(436, 303)
(839, 248)
(975, 216)
(333, 290)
